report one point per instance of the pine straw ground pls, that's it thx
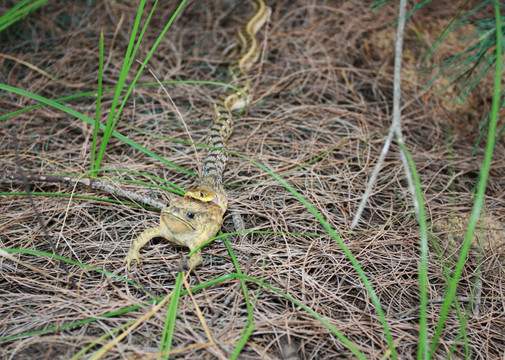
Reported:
(323, 87)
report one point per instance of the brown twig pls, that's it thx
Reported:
(86, 182)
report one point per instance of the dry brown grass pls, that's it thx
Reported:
(325, 82)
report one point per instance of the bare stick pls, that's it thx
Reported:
(395, 129)
(87, 182)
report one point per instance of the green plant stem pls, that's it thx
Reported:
(250, 320)
(113, 120)
(422, 350)
(98, 102)
(94, 92)
(481, 189)
(90, 121)
(168, 330)
(122, 78)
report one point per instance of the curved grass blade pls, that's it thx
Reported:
(95, 92)
(18, 11)
(76, 263)
(91, 122)
(122, 78)
(111, 123)
(479, 199)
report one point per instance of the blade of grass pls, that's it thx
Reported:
(76, 263)
(91, 122)
(128, 62)
(173, 187)
(12, 11)
(250, 319)
(13, 14)
(330, 327)
(112, 121)
(88, 93)
(98, 101)
(479, 199)
(350, 256)
(77, 196)
(141, 36)
(422, 349)
(122, 78)
(168, 330)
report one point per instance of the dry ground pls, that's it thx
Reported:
(323, 86)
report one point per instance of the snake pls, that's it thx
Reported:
(210, 186)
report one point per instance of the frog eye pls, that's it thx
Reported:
(190, 215)
(201, 194)
(168, 204)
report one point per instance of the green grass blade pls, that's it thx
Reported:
(336, 237)
(122, 78)
(128, 62)
(168, 330)
(113, 120)
(422, 348)
(98, 102)
(91, 122)
(88, 93)
(141, 36)
(76, 196)
(76, 263)
(250, 319)
(479, 199)
(330, 327)
(172, 187)
(146, 60)
(13, 15)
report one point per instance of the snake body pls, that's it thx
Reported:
(210, 186)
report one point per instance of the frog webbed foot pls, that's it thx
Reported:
(133, 255)
(141, 240)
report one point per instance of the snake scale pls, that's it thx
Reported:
(198, 215)
(210, 187)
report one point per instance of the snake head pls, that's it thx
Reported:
(201, 193)
(209, 191)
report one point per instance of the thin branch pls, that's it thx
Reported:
(94, 184)
(395, 129)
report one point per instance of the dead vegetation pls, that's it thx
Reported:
(323, 87)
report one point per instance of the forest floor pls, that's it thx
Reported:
(320, 114)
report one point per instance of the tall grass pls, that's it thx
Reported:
(20, 10)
